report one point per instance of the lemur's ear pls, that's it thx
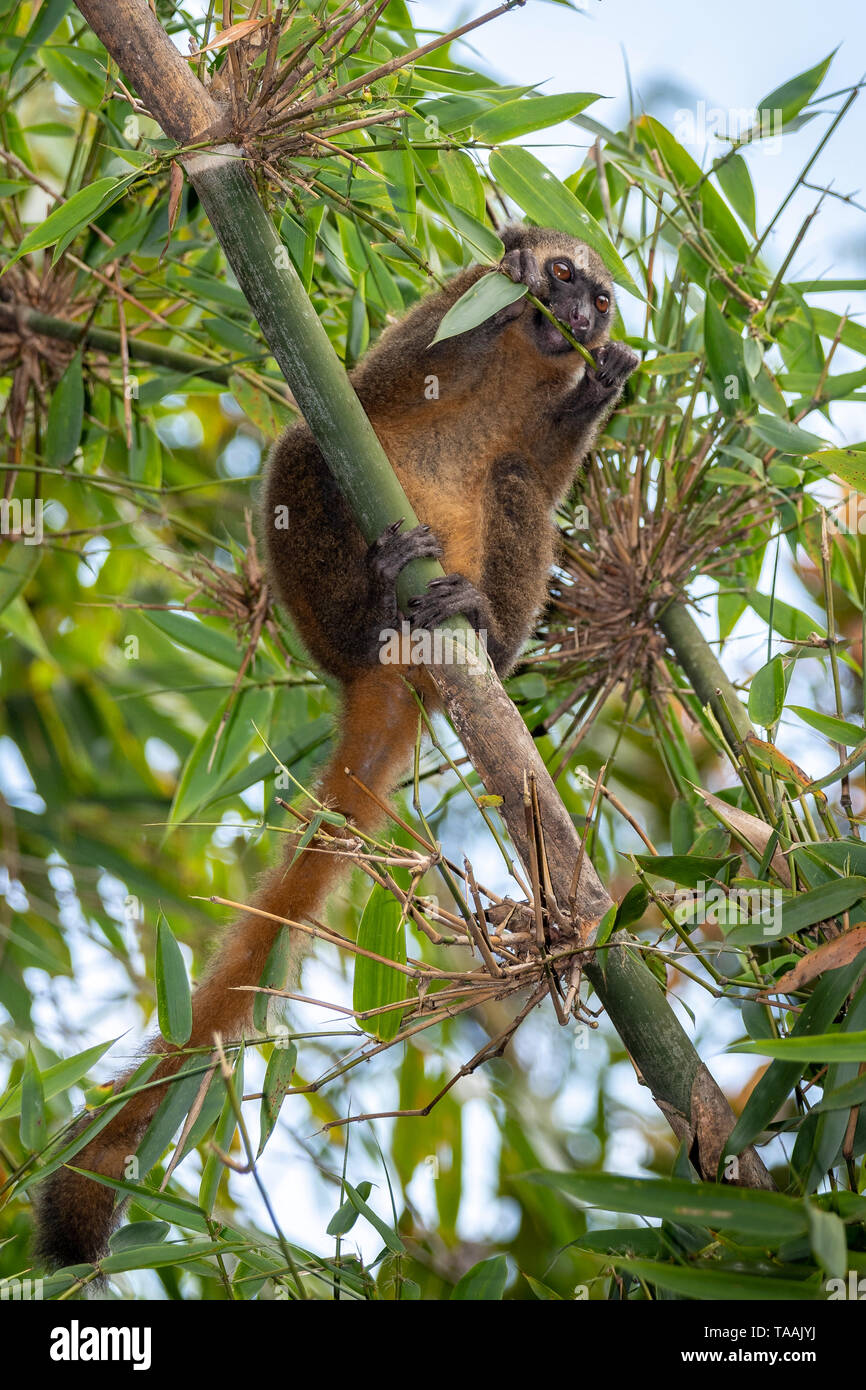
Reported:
(512, 235)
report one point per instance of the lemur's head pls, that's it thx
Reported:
(569, 277)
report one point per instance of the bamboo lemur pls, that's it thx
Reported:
(484, 462)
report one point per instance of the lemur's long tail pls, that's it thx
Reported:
(75, 1215)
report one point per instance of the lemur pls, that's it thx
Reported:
(484, 460)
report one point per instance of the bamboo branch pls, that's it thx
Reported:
(14, 317)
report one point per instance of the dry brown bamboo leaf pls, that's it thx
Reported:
(831, 956)
(230, 35)
(756, 833)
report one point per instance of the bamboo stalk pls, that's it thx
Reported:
(708, 680)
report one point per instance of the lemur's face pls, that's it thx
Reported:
(580, 298)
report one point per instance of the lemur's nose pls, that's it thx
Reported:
(578, 319)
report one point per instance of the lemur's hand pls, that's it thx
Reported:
(614, 365)
(521, 267)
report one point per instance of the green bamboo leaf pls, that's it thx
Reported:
(84, 87)
(782, 435)
(725, 359)
(529, 114)
(820, 1136)
(828, 1241)
(389, 1236)
(821, 904)
(838, 387)
(204, 771)
(295, 748)
(830, 325)
(173, 1000)
(195, 636)
(631, 909)
(174, 1253)
(718, 220)
(223, 1135)
(485, 244)
(819, 1047)
(145, 456)
(718, 1284)
(207, 1116)
(57, 1078)
(346, 1215)
(767, 694)
(690, 870)
(69, 219)
(383, 932)
(753, 357)
(839, 730)
(484, 1282)
(761, 1215)
(17, 568)
(542, 1291)
(358, 336)
(480, 302)
(277, 1082)
(19, 620)
(773, 1088)
(669, 363)
(549, 203)
(274, 976)
(451, 113)
(791, 97)
(827, 286)
(848, 855)
(47, 20)
(789, 622)
(173, 1109)
(161, 1205)
(847, 464)
(844, 1097)
(31, 1130)
(382, 289)
(464, 182)
(616, 1240)
(65, 416)
(736, 184)
(138, 1233)
(398, 167)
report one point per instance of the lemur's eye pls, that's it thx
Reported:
(562, 270)
(602, 303)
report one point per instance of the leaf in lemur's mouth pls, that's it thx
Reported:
(480, 302)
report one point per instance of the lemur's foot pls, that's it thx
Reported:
(445, 598)
(614, 365)
(394, 549)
